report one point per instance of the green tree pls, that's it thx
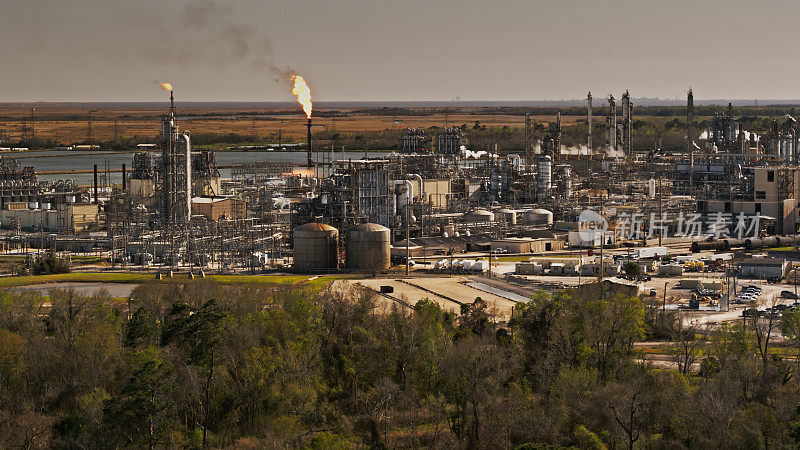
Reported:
(141, 414)
(632, 270)
(141, 329)
(199, 330)
(610, 328)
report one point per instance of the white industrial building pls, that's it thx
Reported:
(764, 268)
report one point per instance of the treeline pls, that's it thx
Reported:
(209, 365)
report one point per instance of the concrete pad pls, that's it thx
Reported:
(408, 293)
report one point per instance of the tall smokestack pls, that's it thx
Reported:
(589, 118)
(627, 116)
(95, 184)
(611, 120)
(310, 161)
(690, 132)
(124, 178)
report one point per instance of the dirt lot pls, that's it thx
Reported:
(448, 292)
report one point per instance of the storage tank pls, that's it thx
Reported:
(538, 216)
(734, 243)
(651, 188)
(753, 243)
(316, 247)
(33, 205)
(769, 242)
(479, 215)
(544, 177)
(506, 215)
(45, 205)
(369, 248)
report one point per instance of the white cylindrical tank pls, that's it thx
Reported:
(70, 199)
(479, 215)
(544, 177)
(480, 266)
(567, 179)
(538, 216)
(45, 205)
(369, 248)
(316, 247)
(33, 205)
(786, 146)
(506, 215)
(651, 188)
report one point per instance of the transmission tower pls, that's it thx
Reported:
(89, 127)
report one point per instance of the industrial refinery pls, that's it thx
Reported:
(231, 224)
(533, 213)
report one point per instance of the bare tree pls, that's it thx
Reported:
(373, 261)
(629, 417)
(763, 328)
(688, 341)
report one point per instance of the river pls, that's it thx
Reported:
(44, 161)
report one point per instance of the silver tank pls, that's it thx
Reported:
(479, 215)
(544, 177)
(369, 248)
(538, 217)
(316, 247)
(506, 215)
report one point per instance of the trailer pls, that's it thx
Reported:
(649, 252)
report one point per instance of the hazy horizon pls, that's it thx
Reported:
(598, 103)
(384, 51)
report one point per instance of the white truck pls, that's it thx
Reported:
(649, 252)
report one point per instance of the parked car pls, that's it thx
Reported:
(750, 312)
(745, 298)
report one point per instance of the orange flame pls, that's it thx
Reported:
(166, 86)
(303, 94)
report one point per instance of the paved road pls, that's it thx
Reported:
(119, 290)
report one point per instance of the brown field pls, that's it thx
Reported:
(68, 124)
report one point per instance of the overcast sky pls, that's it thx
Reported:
(217, 50)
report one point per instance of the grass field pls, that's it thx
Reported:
(68, 123)
(292, 130)
(100, 277)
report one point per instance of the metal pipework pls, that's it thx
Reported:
(188, 140)
(409, 194)
(95, 185)
(517, 161)
(421, 184)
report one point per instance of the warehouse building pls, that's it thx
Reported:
(764, 268)
(69, 217)
(526, 245)
(215, 208)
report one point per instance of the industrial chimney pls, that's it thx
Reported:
(589, 120)
(690, 133)
(310, 161)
